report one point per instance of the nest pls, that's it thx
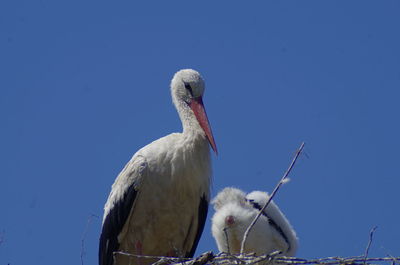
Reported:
(209, 258)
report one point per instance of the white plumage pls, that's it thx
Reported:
(235, 211)
(158, 203)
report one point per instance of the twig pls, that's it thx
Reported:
(391, 256)
(2, 237)
(204, 258)
(234, 259)
(164, 260)
(84, 235)
(227, 239)
(393, 259)
(269, 257)
(298, 152)
(371, 234)
(149, 257)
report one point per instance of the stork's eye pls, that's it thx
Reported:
(189, 88)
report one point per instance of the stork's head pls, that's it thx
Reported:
(187, 85)
(230, 221)
(187, 88)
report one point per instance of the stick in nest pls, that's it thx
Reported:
(84, 235)
(227, 240)
(283, 180)
(371, 233)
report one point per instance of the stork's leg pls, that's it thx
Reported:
(139, 251)
(172, 253)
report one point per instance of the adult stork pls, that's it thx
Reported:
(158, 203)
(235, 211)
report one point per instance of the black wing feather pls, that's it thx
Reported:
(271, 222)
(113, 224)
(202, 217)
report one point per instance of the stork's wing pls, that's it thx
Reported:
(202, 216)
(119, 206)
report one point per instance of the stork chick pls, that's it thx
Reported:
(235, 211)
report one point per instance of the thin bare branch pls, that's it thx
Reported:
(298, 152)
(371, 234)
(394, 260)
(84, 235)
(203, 259)
(227, 239)
(175, 259)
(2, 233)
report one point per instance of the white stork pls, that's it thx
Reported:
(158, 203)
(235, 211)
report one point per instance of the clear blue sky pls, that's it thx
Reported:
(84, 84)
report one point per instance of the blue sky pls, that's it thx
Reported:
(83, 85)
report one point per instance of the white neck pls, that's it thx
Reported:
(189, 122)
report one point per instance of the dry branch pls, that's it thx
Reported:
(84, 235)
(2, 233)
(371, 233)
(280, 183)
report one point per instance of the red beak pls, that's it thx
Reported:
(198, 109)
